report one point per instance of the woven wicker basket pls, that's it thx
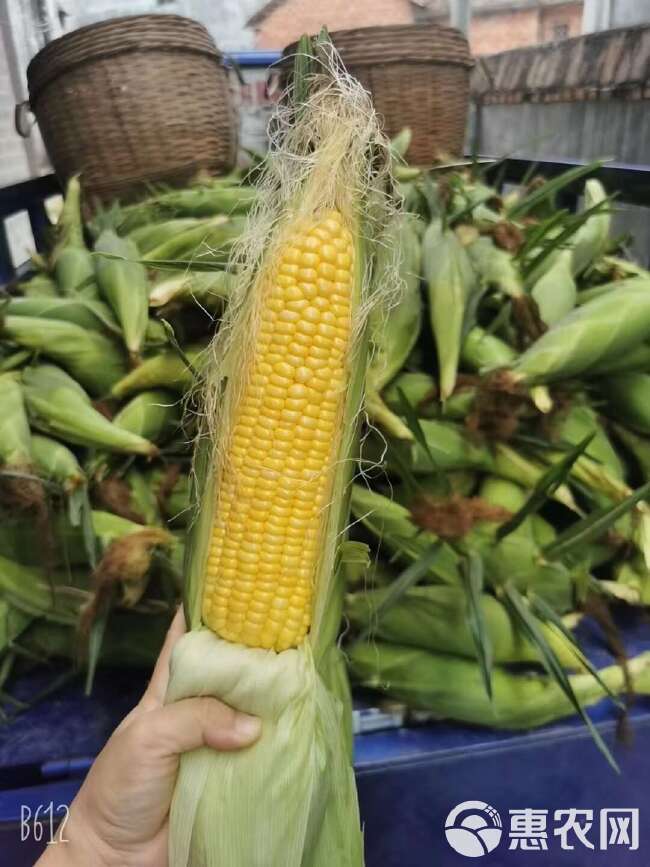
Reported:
(133, 100)
(418, 75)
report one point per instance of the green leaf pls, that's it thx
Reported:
(550, 188)
(551, 663)
(543, 610)
(594, 525)
(546, 486)
(406, 579)
(471, 573)
(96, 640)
(413, 423)
(167, 264)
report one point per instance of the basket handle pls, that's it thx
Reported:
(21, 122)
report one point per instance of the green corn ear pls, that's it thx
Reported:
(581, 421)
(28, 590)
(483, 351)
(207, 289)
(13, 623)
(39, 286)
(391, 523)
(495, 267)
(15, 437)
(451, 687)
(210, 242)
(395, 333)
(450, 282)
(628, 399)
(419, 389)
(435, 618)
(217, 198)
(604, 328)
(123, 283)
(149, 236)
(154, 415)
(638, 445)
(84, 312)
(451, 449)
(555, 292)
(55, 461)
(93, 359)
(637, 360)
(74, 266)
(164, 370)
(590, 241)
(59, 406)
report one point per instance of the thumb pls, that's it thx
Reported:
(200, 722)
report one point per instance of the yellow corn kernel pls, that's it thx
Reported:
(264, 548)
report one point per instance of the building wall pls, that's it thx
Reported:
(561, 22)
(490, 34)
(288, 21)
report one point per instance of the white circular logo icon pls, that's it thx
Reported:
(473, 829)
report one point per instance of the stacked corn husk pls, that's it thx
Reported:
(503, 487)
(98, 349)
(506, 481)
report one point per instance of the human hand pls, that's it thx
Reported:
(120, 817)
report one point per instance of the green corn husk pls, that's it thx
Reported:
(450, 282)
(208, 289)
(154, 415)
(394, 335)
(93, 359)
(13, 623)
(581, 421)
(165, 370)
(56, 462)
(635, 577)
(60, 407)
(131, 640)
(39, 286)
(73, 263)
(420, 390)
(210, 242)
(435, 618)
(143, 497)
(124, 286)
(218, 198)
(590, 241)
(482, 351)
(29, 591)
(604, 328)
(450, 687)
(639, 447)
(515, 467)
(149, 236)
(556, 292)
(628, 399)
(84, 312)
(451, 448)
(391, 524)
(15, 436)
(637, 360)
(495, 267)
(14, 360)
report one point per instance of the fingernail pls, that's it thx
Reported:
(248, 727)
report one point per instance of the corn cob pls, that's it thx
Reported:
(555, 292)
(419, 389)
(394, 336)
(154, 415)
(590, 241)
(495, 267)
(54, 461)
(286, 386)
(150, 236)
(591, 334)
(450, 282)
(637, 360)
(482, 351)
(123, 283)
(40, 285)
(74, 267)
(210, 242)
(219, 197)
(581, 421)
(59, 406)
(207, 289)
(435, 618)
(85, 312)
(452, 688)
(15, 437)
(93, 359)
(165, 370)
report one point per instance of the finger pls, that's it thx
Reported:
(154, 694)
(198, 722)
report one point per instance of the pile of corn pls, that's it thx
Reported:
(98, 349)
(504, 485)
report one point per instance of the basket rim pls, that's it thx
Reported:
(40, 76)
